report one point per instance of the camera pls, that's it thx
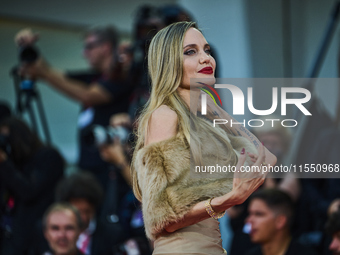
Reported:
(4, 144)
(28, 54)
(98, 135)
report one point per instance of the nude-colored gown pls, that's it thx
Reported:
(203, 238)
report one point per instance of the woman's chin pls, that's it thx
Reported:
(199, 82)
(210, 81)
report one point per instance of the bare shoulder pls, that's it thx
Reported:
(162, 125)
(165, 111)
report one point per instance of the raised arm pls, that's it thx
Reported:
(243, 187)
(240, 130)
(92, 94)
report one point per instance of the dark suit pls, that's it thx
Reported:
(105, 237)
(32, 190)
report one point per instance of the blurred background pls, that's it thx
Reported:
(252, 39)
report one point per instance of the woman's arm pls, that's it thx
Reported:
(243, 186)
(199, 213)
(240, 130)
(162, 126)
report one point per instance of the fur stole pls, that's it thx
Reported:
(168, 189)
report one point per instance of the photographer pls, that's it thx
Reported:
(29, 172)
(115, 150)
(101, 90)
(118, 153)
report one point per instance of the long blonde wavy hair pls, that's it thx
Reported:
(165, 66)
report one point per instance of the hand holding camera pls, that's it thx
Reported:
(37, 69)
(25, 37)
(31, 64)
(114, 149)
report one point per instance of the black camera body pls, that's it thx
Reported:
(28, 54)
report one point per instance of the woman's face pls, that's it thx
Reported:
(197, 61)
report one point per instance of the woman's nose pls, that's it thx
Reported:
(205, 57)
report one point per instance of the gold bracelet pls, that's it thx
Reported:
(211, 212)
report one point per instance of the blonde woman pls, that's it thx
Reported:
(180, 213)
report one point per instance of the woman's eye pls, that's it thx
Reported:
(208, 51)
(189, 52)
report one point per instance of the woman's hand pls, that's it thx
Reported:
(246, 182)
(253, 157)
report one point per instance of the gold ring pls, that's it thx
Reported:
(264, 163)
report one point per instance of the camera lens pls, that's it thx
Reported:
(28, 54)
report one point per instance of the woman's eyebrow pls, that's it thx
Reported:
(190, 45)
(195, 45)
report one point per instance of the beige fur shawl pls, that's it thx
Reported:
(168, 190)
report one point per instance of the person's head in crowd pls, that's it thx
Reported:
(5, 111)
(150, 19)
(62, 225)
(173, 13)
(20, 141)
(333, 229)
(83, 191)
(274, 136)
(101, 47)
(333, 207)
(125, 53)
(148, 22)
(270, 215)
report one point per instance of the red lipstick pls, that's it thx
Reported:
(206, 70)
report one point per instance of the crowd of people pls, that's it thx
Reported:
(99, 209)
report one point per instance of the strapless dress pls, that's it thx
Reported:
(203, 238)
